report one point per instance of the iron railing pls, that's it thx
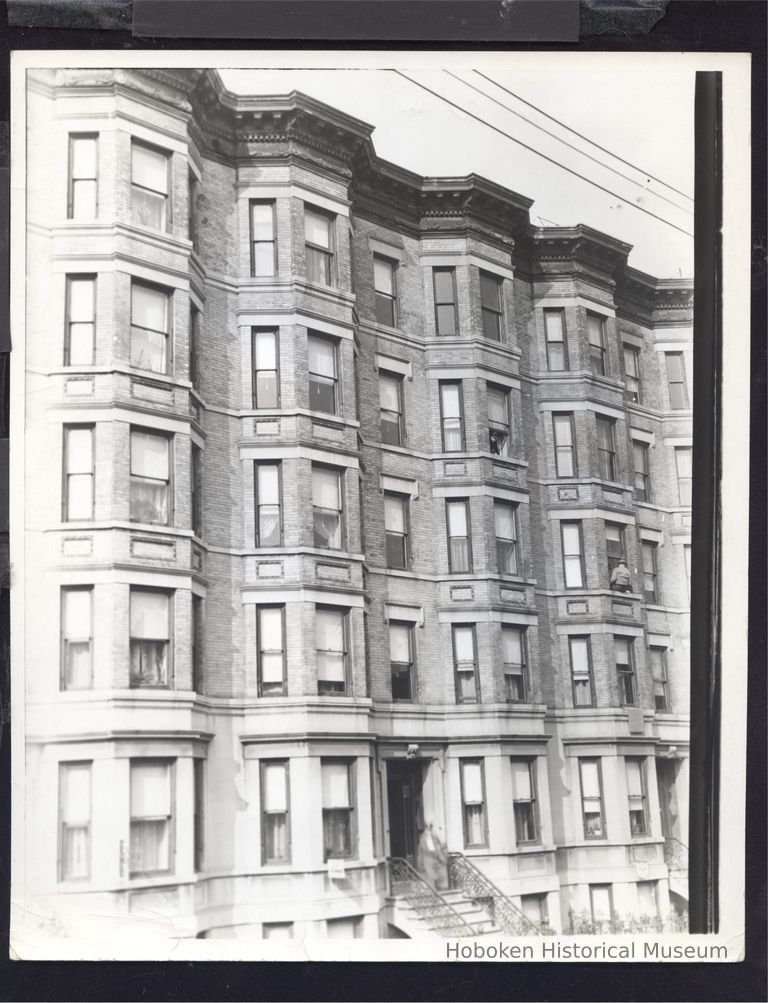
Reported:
(430, 906)
(675, 854)
(464, 875)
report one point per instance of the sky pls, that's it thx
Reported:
(642, 120)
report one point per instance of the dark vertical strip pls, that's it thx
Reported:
(705, 537)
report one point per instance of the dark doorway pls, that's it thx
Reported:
(404, 783)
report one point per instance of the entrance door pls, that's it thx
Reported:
(404, 782)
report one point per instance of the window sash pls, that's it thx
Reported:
(401, 661)
(446, 314)
(151, 811)
(83, 176)
(459, 547)
(80, 323)
(592, 798)
(580, 652)
(78, 473)
(75, 821)
(650, 572)
(556, 341)
(77, 638)
(465, 664)
(318, 231)
(642, 478)
(676, 381)
(150, 169)
(498, 421)
(338, 800)
(597, 351)
(490, 305)
(270, 650)
(452, 419)
(150, 477)
(196, 486)
(266, 368)
(632, 373)
(385, 290)
(660, 679)
(684, 467)
(573, 559)
(263, 241)
(565, 445)
(606, 449)
(514, 663)
(323, 375)
(331, 653)
(473, 801)
(275, 813)
(390, 409)
(268, 504)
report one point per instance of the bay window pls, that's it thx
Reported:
(150, 638)
(465, 663)
(446, 314)
(565, 445)
(573, 555)
(79, 336)
(150, 327)
(267, 487)
(505, 522)
(78, 473)
(331, 650)
(151, 816)
(270, 649)
(327, 507)
(150, 477)
(459, 545)
(515, 669)
(606, 448)
(592, 798)
(266, 381)
(338, 799)
(490, 305)
(557, 345)
(150, 169)
(82, 195)
(275, 800)
(263, 240)
(318, 235)
(498, 420)
(323, 375)
(597, 350)
(452, 417)
(580, 651)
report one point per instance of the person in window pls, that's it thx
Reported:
(620, 580)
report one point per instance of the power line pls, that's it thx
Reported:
(571, 146)
(540, 154)
(582, 136)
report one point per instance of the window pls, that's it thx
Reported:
(647, 900)
(396, 530)
(534, 907)
(498, 420)
(197, 643)
(331, 650)
(592, 798)
(507, 556)
(446, 314)
(151, 816)
(640, 454)
(573, 555)
(150, 478)
(632, 373)
(82, 199)
(150, 324)
(74, 821)
(198, 813)
(490, 305)
(459, 545)
(684, 474)
(580, 651)
(263, 243)
(557, 344)
(150, 638)
(384, 270)
(270, 648)
(149, 186)
(601, 906)
(473, 802)
(194, 345)
(193, 193)
(323, 379)
(275, 799)
(77, 638)
(614, 545)
(625, 668)
(266, 371)
(196, 489)
(338, 794)
(452, 417)
(401, 661)
(277, 931)
(687, 559)
(606, 448)
(515, 669)
(344, 928)
(269, 520)
(391, 409)
(650, 571)
(660, 680)
(79, 335)
(638, 809)
(678, 391)
(78, 472)
(465, 663)
(597, 351)
(524, 800)
(327, 507)
(565, 445)
(318, 234)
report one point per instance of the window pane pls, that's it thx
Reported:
(317, 228)
(84, 157)
(521, 780)
(504, 516)
(149, 455)
(553, 322)
(595, 330)
(489, 291)
(579, 656)
(75, 793)
(472, 778)
(463, 644)
(329, 630)
(590, 779)
(326, 488)
(571, 539)
(79, 450)
(149, 615)
(683, 459)
(394, 514)
(446, 319)
(77, 614)
(266, 350)
(81, 299)
(622, 649)
(563, 431)
(512, 643)
(268, 484)
(444, 286)
(399, 643)
(150, 790)
(149, 307)
(149, 168)
(270, 628)
(497, 406)
(389, 393)
(262, 222)
(457, 519)
(263, 259)
(322, 357)
(384, 276)
(634, 778)
(274, 795)
(451, 400)
(335, 784)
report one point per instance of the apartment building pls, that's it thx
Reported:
(330, 471)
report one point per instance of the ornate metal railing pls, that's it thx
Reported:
(429, 905)
(463, 874)
(675, 854)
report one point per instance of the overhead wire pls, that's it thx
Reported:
(538, 153)
(571, 146)
(582, 136)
